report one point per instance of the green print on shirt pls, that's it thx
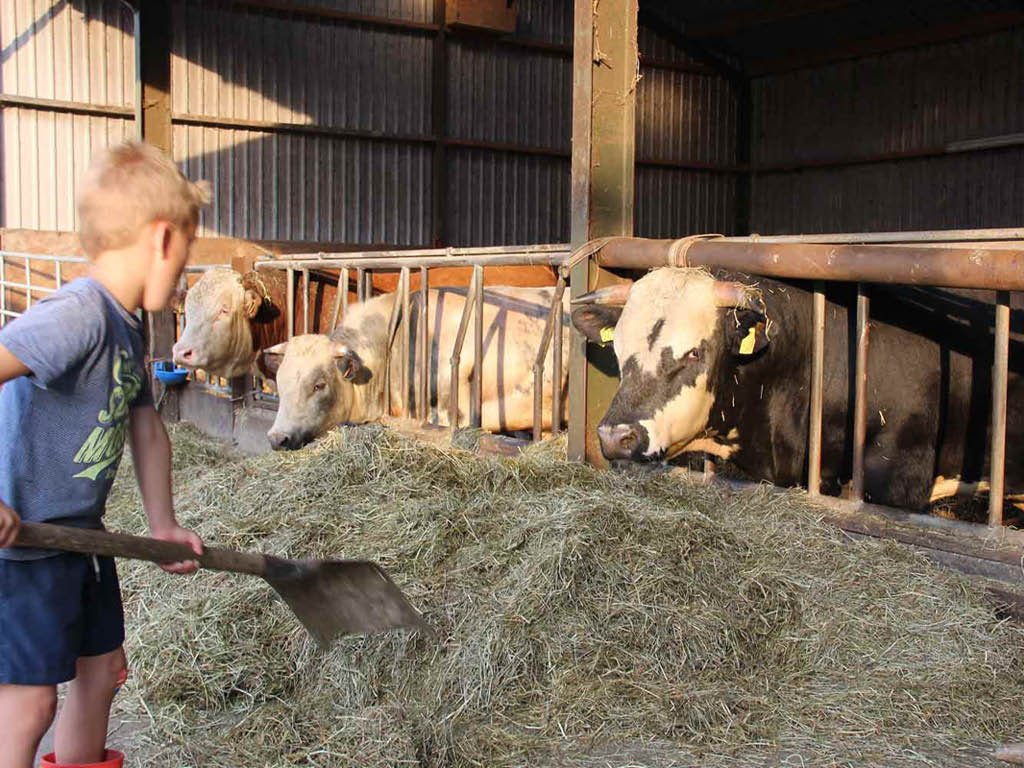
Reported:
(105, 443)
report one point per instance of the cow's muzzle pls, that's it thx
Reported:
(622, 441)
(286, 442)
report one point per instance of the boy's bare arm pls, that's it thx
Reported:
(151, 451)
(10, 368)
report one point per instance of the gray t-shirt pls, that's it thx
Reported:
(63, 428)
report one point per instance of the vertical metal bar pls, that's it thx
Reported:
(368, 289)
(424, 354)
(360, 285)
(554, 316)
(406, 331)
(860, 401)
(1000, 368)
(556, 364)
(344, 293)
(477, 390)
(339, 291)
(393, 322)
(305, 301)
(28, 283)
(817, 390)
(60, 275)
(291, 302)
(460, 340)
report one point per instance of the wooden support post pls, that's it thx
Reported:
(817, 390)
(603, 173)
(406, 346)
(153, 114)
(1000, 367)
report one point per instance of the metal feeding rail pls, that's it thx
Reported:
(980, 259)
(28, 287)
(415, 395)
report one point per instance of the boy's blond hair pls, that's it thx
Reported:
(128, 186)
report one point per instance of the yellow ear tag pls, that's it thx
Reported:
(607, 334)
(747, 345)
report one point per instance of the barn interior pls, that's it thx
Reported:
(354, 127)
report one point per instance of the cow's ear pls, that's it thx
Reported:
(350, 365)
(177, 302)
(596, 322)
(746, 333)
(251, 303)
(272, 357)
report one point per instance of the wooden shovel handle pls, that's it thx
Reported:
(94, 542)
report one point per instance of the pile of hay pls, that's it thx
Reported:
(582, 618)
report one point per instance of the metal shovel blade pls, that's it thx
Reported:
(341, 597)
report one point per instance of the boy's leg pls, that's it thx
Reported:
(81, 734)
(26, 711)
(82, 726)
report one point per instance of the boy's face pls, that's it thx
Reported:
(168, 262)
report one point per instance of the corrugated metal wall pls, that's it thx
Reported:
(901, 102)
(321, 80)
(78, 52)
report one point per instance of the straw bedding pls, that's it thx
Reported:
(581, 618)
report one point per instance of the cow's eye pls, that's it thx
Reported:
(225, 311)
(693, 354)
(319, 386)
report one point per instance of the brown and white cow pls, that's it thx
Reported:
(229, 319)
(709, 364)
(326, 381)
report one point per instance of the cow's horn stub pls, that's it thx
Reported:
(735, 295)
(277, 349)
(610, 296)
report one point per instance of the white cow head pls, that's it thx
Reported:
(217, 335)
(317, 382)
(675, 332)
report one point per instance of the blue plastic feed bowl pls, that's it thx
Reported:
(168, 373)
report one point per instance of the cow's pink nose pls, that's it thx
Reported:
(185, 355)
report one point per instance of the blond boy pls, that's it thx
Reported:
(76, 389)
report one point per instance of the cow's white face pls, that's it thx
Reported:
(671, 339)
(315, 389)
(217, 335)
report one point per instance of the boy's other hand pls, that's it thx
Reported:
(180, 535)
(10, 524)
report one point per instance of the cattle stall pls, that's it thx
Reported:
(965, 259)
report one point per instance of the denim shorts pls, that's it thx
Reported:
(54, 610)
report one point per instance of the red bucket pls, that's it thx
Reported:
(111, 759)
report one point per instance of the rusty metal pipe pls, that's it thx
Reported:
(1000, 366)
(305, 301)
(955, 266)
(477, 382)
(291, 303)
(360, 285)
(340, 291)
(554, 316)
(406, 347)
(460, 340)
(424, 356)
(817, 391)
(860, 396)
(556, 364)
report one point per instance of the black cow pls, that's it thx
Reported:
(709, 363)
